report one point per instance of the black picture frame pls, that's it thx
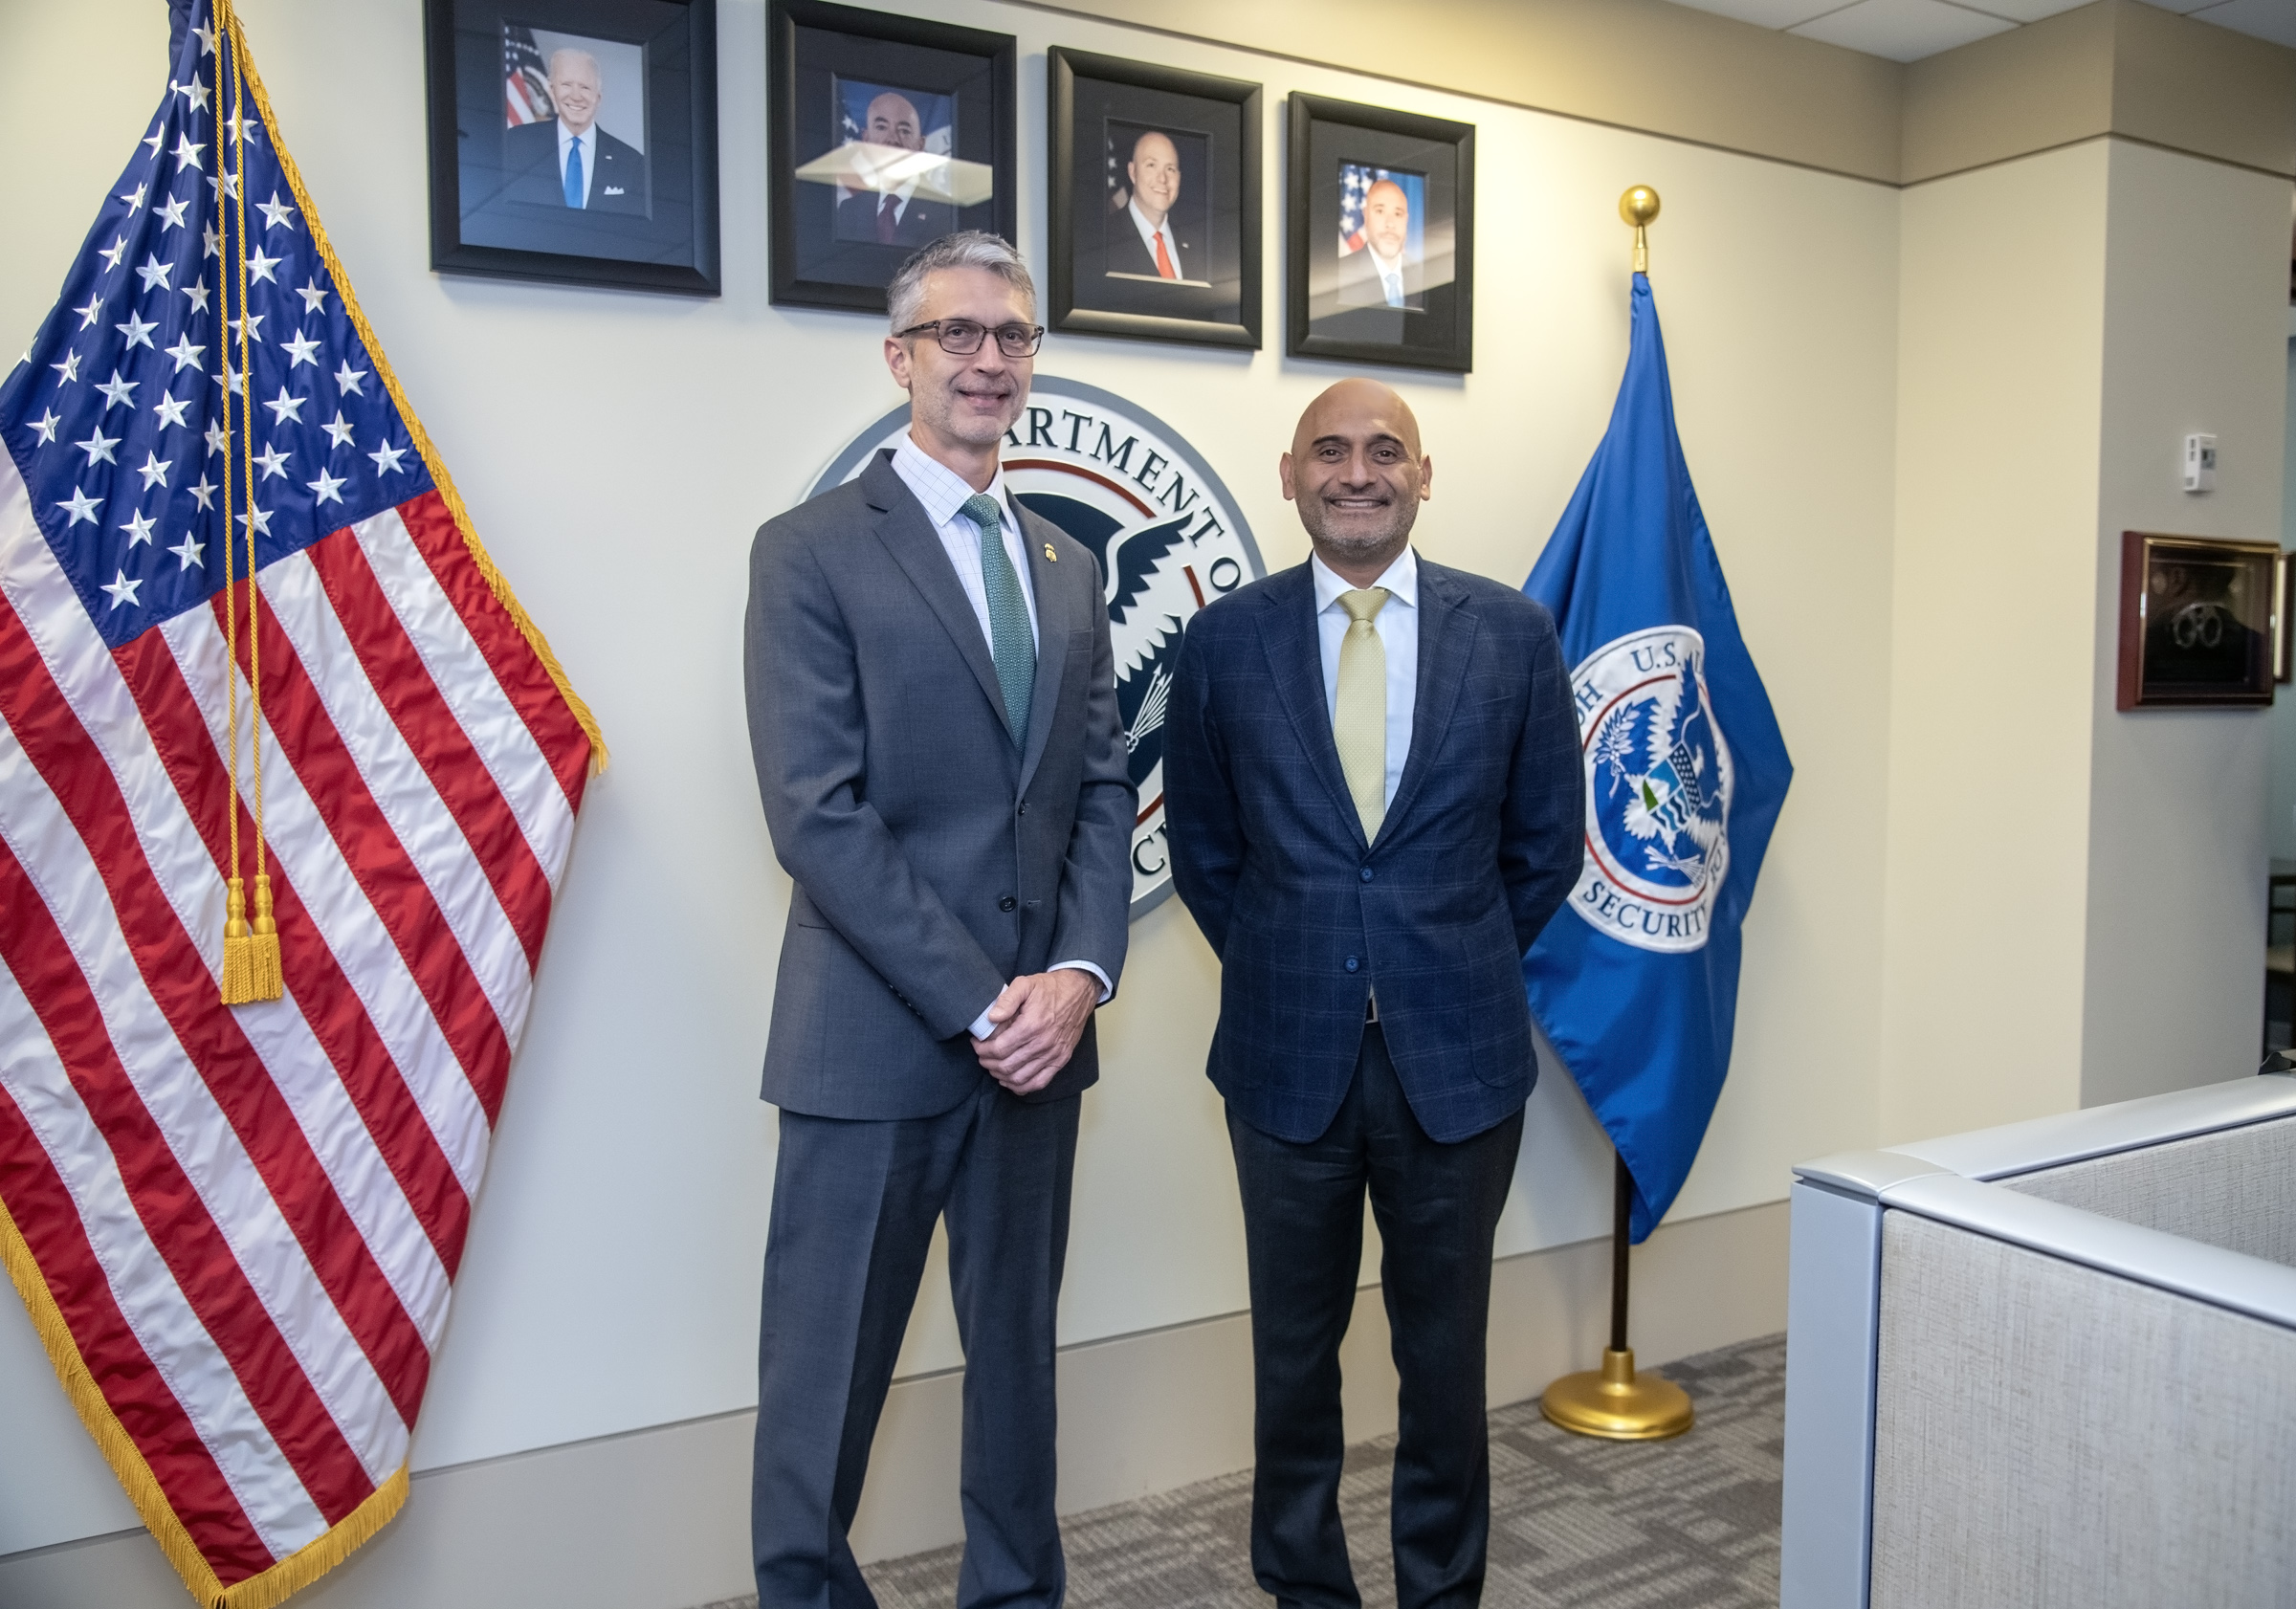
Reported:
(959, 84)
(1210, 131)
(492, 209)
(1334, 302)
(2199, 622)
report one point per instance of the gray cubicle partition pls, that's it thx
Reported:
(2049, 1362)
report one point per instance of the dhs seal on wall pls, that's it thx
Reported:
(1168, 536)
(1658, 790)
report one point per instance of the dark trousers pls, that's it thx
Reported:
(1437, 1209)
(853, 1207)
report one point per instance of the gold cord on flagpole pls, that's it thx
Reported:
(1638, 207)
(251, 971)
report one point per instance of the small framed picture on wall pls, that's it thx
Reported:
(575, 141)
(2199, 622)
(883, 132)
(1379, 211)
(1155, 199)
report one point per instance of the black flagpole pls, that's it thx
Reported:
(1613, 1401)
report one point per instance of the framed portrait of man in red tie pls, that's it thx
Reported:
(884, 133)
(1155, 197)
(1380, 208)
(575, 141)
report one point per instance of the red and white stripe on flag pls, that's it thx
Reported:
(238, 1228)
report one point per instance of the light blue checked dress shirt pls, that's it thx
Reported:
(943, 493)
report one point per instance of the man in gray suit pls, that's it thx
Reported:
(932, 712)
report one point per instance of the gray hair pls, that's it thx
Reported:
(970, 248)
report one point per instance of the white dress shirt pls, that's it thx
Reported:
(1397, 625)
(588, 139)
(943, 493)
(1149, 231)
(871, 201)
(1391, 276)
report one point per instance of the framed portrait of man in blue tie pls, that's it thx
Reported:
(1155, 199)
(1382, 237)
(575, 141)
(1380, 208)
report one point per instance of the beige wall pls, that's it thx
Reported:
(2075, 908)
(2196, 326)
(2000, 331)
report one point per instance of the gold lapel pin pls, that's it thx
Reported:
(1049, 555)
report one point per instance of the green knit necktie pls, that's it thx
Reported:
(1360, 721)
(1011, 644)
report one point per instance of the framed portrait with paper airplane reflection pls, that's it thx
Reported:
(883, 133)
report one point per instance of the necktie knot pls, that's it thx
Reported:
(981, 510)
(1364, 604)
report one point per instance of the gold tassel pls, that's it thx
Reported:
(238, 950)
(269, 981)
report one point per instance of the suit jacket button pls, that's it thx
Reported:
(1367, 873)
(1352, 963)
(1007, 903)
(1023, 806)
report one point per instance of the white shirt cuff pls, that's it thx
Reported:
(983, 1028)
(1107, 988)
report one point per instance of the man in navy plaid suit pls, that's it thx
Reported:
(1375, 797)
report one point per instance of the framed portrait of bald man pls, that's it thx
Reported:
(883, 133)
(1379, 210)
(1155, 197)
(575, 141)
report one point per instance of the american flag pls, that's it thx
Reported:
(236, 1228)
(525, 79)
(1355, 180)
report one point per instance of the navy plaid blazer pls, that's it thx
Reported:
(1480, 846)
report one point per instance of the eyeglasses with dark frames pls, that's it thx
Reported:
(962, 337)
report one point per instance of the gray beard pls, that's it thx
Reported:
(1362, 549)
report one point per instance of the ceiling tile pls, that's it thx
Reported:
(1780, 13)
(2186, 6)
(1902, 30)
(2267, 19)
(2033, 11)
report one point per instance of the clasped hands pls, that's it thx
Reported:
(1038, 1020)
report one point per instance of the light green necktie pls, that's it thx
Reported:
(1010, 642)
(1360, 722)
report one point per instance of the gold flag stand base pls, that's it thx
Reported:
(1614, 1402)
(1617, 1405)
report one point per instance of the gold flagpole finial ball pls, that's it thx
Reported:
(1639, 206)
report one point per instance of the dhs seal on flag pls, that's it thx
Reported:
(1168, 537)
(1658, 790)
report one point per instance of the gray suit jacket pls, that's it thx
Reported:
(934, 862)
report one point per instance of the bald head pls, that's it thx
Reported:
(1154, 174)
(1387, 218)
(1358, 403)
(1358, 475)
(893, 120)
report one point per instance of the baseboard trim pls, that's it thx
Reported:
(660, 1518)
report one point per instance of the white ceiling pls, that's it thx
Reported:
(1909, 30)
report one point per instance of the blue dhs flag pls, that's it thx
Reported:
(1636, 982)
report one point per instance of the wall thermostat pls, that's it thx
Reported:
(2199, 463)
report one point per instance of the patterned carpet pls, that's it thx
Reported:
(1686, 1524)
